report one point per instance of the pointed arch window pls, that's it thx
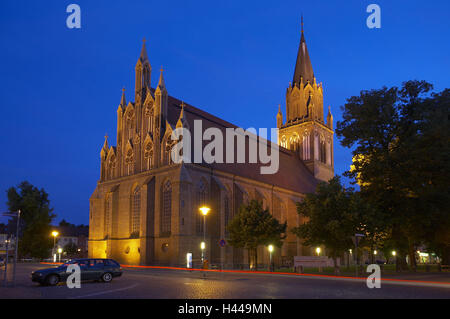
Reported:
(148, 156)
(226, 211)
(107, 215)
(111, 167)
(284, 142)
(168, 150)
(148, 118)
(201, 198)
(129, 161)
(166, 211)
(136, 212)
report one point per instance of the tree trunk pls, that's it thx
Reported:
(337, 269)
(412, 256)
(256, 259)
(400, 262)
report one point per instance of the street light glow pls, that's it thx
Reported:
(59, 250)
(55, 233)
(318, 250)
(270, 248)
(375, 252)
(204, 210)
(394, 253)
(202, 245)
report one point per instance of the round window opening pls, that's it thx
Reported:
(165, 247)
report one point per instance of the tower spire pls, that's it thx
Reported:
(123, 101)
(161, 82)
(105, 145)
(143, 57)
(302, 23)
(303, 67)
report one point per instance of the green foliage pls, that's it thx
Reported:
(71, 249)
(36, 216)
(332, 217)
(402, 138)
(254, 226)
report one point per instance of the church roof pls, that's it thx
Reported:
(303, 66)
(292, 173)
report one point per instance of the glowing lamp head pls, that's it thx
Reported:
(394, 253)
(270, 248)
(59, 250)
(318, 250)
(203, 245)
(204, 210)
(375, 252)
(55, 233)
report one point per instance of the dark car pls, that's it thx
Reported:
(91, 269)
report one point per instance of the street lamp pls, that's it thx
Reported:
(204, 210)
(54, 234)
(318, 250)
(270, 257)
(394, 253)
(59, 252)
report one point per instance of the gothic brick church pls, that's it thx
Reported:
(145, 208)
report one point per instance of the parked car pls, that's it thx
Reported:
(91, 269)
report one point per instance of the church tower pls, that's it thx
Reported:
(305, 131)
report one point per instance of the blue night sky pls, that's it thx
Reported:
(60, 87)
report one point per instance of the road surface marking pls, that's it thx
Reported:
(104, 292)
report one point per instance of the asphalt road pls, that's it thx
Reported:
(161, 283)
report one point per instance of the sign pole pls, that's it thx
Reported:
(16, 248)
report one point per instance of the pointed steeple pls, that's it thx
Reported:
(105, 145)
(161, 83)
(143, 57)
(104, 150)
(123, 101)
(279, 117)
(303, 67)
(329, 118)
(182, 119)
(182, 110)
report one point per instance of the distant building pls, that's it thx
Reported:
(11, 245)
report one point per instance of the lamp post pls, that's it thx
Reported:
(204, 210)
(54, 234)
(59, 252)
(270, 257)
(318, 250)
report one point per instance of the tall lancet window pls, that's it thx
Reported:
(148, 122)
(130, 125)
(107, 215)
(166, 211)
(111, 166)
(200, 200)
(305, 147)
(226, 210)
(283, 142)
(136, 212)
(168, 150)
(129, 162)
(148, 156)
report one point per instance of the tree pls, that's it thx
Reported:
(254, 226)
(332, 218)
(35, 219)
(401, 161)
(71, 249)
